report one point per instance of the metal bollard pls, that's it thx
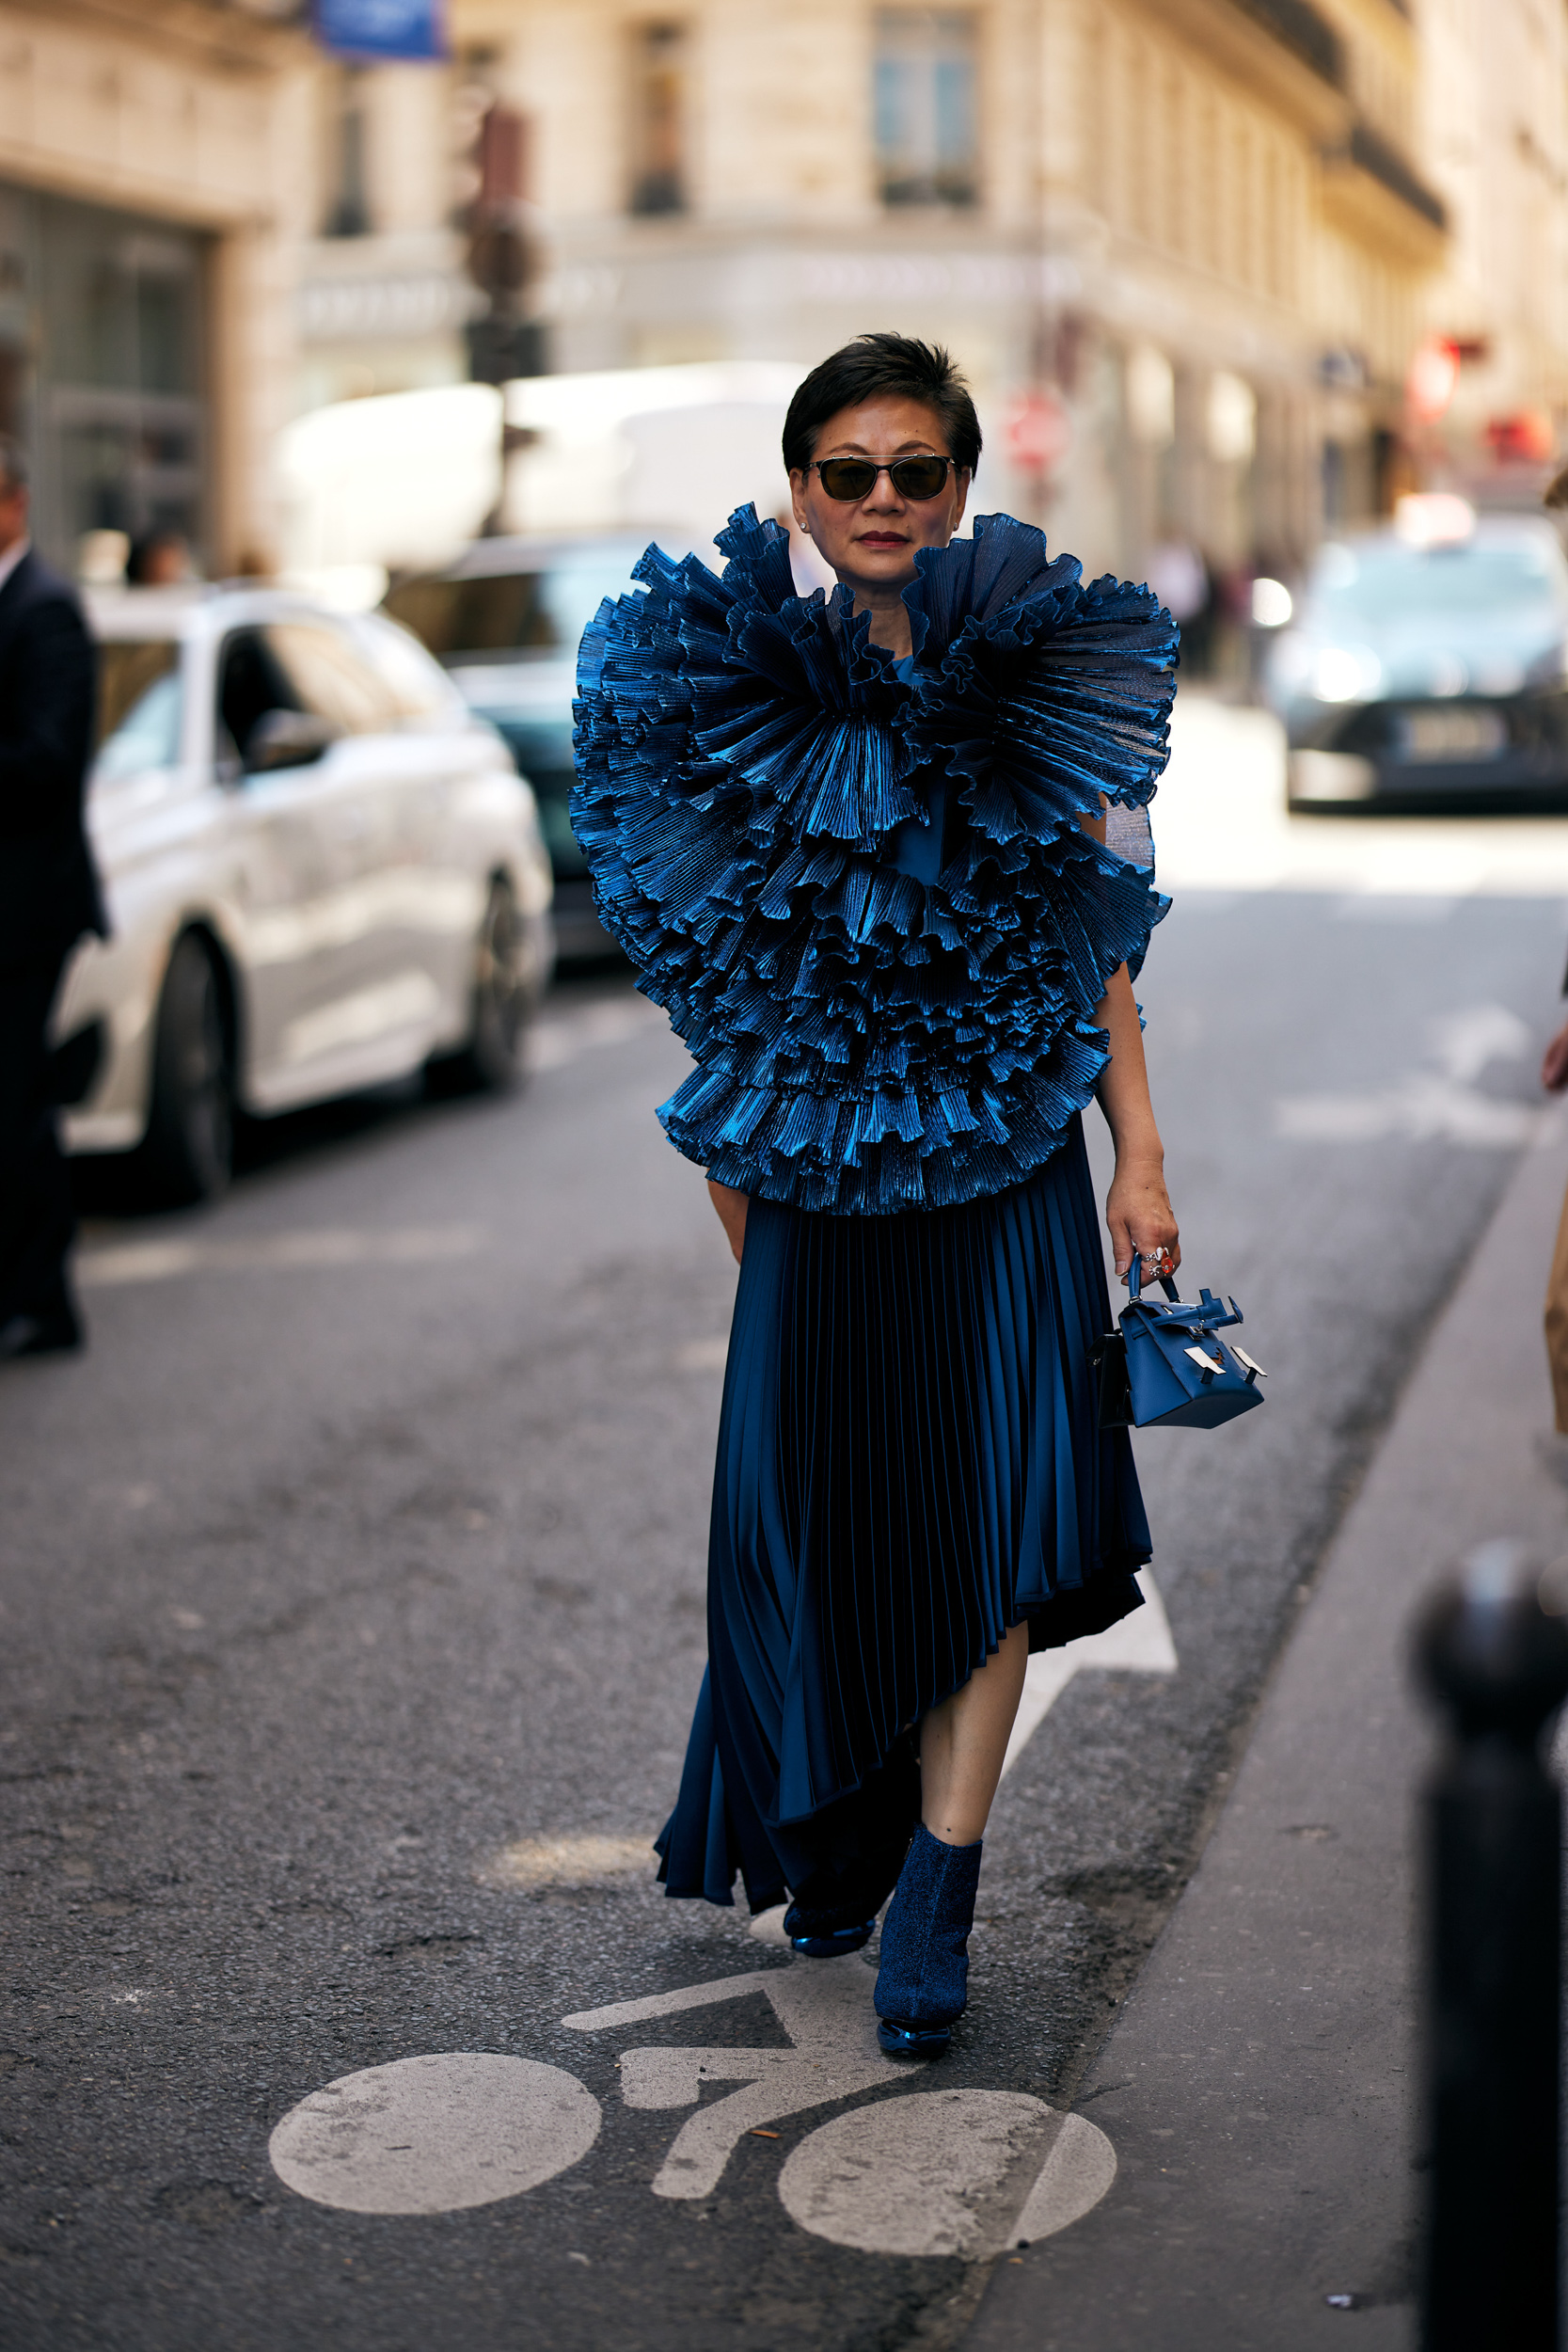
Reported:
(1494, 1654)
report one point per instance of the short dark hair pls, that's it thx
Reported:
(13, 463)
(874, 366)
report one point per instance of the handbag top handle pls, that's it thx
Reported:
(1135, 1280)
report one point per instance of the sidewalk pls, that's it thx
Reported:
(1259, 2086)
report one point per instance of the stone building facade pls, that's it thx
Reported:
(1184, 247)
(146, 340)
(383, 297)
(1494, 134)
(1187, 249)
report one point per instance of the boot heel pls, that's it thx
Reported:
(921, 1985)
(911, 2041)
(831, 1944)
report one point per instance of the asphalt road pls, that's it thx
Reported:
(353, 1616)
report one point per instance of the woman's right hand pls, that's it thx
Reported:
(1554, 1065)
(731, 1206)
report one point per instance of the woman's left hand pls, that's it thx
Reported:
(1141, 1219)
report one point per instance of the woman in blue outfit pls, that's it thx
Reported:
(882, 858)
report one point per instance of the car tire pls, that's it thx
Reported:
(189, 1151)
(491, 1058)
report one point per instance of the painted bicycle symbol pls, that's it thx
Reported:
(915, 2171)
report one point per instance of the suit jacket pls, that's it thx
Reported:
(49, 893)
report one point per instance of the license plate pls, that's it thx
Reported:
(1468, 731)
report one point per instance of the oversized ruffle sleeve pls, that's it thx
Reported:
(866, 1043)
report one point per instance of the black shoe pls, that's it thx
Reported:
(55, 1334)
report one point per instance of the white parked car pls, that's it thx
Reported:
(322, 871)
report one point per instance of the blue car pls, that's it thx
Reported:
(1427, 666)
(505, 622)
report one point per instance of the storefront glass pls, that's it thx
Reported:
(102, 367)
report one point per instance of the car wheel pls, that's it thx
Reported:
(189, 1149)
(491, 1058)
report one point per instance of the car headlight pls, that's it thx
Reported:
(1346, 674)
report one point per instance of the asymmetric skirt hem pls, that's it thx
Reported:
(910, 1464)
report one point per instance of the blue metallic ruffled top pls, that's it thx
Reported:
(859, 887)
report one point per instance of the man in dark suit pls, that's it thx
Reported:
(49, 897)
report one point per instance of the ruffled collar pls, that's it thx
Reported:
(866, 1040)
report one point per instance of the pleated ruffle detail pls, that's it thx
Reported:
(865, 1042)
(909, 1464)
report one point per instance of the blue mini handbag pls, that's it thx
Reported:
(1166, 1367)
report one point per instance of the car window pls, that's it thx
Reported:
(539, 612)
(148, 735)
(543, 750)
(1382, 583)
(126, 668)
(332, 677)
(251, 682)
(419, 687)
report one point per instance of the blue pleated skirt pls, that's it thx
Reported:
(909, 1465)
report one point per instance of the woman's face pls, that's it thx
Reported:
(871, 542)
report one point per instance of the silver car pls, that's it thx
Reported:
(323, 872)
(1428, 666)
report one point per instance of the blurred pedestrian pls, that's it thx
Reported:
(856, 846)
(49, 897)
(159, 558)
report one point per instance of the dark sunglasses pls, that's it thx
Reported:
(849, 478)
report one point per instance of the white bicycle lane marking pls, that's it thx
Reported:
(825, 2007)
(921, 2172)
(927, 2172)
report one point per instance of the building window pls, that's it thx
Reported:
(658, 71)
(348, 209)
(103, 336)
(927, 135)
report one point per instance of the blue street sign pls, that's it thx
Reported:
(381, 28)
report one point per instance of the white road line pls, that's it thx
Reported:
(1443, 1104)
(1139, 1645)
(557, 1039)
(340, 1246)
(435, 2135)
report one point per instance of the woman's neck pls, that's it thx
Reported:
(890, 618)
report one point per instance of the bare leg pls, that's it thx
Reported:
(963, 1740)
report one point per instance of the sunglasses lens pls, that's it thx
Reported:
(919, 477)
(846, 476)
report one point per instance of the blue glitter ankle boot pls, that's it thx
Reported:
(923, 1981)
